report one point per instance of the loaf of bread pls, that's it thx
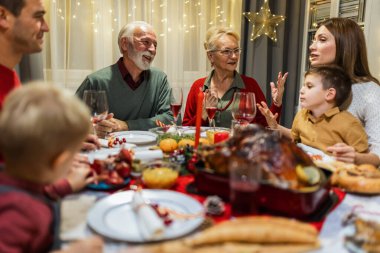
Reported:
(363, 178)
(247, 234)
(180, 247)
(256, 230)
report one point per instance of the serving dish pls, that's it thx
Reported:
(160, 174)
(271, 199)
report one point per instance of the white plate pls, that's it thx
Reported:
(113, 216)
(313, 151)
(137, 137)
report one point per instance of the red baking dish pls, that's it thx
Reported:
(271, 199)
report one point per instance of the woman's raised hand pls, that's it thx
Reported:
(278, 91)
(269, 116)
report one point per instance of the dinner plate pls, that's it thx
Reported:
(113, 216)
(137, 137)
(313, 151)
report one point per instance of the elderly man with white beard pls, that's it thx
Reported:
(137, 93)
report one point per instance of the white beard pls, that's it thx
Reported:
(137, 58)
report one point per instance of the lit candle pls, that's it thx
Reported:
(198, 118)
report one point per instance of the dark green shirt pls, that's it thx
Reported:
(141, 107)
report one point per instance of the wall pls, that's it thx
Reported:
(372, 33)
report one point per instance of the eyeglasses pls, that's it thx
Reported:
(147, 42)
(228, 52)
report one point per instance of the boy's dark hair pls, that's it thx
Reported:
(335, 77)
(14, 6)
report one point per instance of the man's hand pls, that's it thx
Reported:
(278, 92)
(109, 125)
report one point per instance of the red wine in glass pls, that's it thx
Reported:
(175, 109)
(244, 106)
(244, 117)
(243, 201)
(211, 112)
(176, 98)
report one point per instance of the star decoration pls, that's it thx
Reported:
(264, 22)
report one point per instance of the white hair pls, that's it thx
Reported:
(128, 29)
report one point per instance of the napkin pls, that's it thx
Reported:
(74, 210)
(103, 142)
(150, 224)
(148, 155)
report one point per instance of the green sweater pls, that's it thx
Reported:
(140, 108)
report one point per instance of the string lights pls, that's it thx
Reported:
(264, 22)
(195, 13)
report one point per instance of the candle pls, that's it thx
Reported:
(198, 118)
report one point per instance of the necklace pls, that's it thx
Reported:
(228, 104)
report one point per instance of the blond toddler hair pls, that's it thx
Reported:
(38, 122)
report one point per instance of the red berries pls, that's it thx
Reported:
(162, 213)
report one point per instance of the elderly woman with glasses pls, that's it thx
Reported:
(223, 52)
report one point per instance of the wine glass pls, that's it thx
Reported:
(244, 107)
(176, 99)
(97, 102)
(211, 110)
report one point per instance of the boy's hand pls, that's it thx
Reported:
(80, 173)
(269, 117)
(93, 244)
(278, 92)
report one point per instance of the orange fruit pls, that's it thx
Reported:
(168, 145)
(182, 143)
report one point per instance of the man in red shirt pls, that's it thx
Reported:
(22, 27)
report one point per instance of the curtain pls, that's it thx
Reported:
(83, 35)
(262, 59)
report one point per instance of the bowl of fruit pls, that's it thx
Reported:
(113, 171)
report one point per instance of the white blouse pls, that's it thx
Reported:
(365, 106)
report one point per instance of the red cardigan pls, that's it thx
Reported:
(250, 86)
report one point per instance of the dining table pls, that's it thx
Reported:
(75, 209)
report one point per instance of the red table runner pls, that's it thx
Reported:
(183, 182)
